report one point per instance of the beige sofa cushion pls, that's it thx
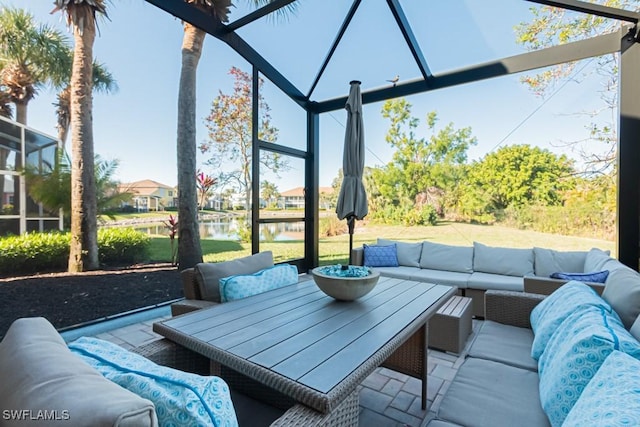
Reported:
(506, 261)
(595, 260)
(39, 373)
(549, 261)
(436, 256)
(408, 253)
(208, 274)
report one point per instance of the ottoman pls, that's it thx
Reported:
(450, 327)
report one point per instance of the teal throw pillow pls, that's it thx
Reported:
(612, 397)
(575, 353)
(380, 255)
(596, 277)
(551, 312)
(246, 285)
(181, 398)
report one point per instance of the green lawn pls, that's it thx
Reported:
(335, 249)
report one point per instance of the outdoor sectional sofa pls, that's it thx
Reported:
(478, 268)
(586, 372)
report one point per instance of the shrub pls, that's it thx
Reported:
(122, 245)
(426, 215)
(38, 252)
(332, 226)
(34, 252)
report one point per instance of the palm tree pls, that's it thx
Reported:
(103, 81)
(52, 187)
(31, 57)
(81, 17)
(5, 107)
(189, 251)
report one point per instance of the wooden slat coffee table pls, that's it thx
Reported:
(305, 344)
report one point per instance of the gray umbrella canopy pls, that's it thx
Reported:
(352, 201)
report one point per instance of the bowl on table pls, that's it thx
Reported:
(343, 287)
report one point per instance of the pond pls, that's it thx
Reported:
(227, 228)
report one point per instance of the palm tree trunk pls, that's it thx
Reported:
(21, 112)
(84, 227)
(189, 251)
(62, 113)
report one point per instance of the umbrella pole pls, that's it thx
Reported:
(351, 222)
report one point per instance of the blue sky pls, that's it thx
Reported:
(141, 44)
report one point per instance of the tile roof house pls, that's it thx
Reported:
(149, 195)
(294, 198)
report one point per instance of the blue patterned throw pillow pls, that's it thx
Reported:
(380, 255)
(551, 312)
(596, 277)
(180, 398)
(246, 285)
(612, 397)
(574, 354)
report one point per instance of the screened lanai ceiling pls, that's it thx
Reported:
(429, 45)
(312, 52)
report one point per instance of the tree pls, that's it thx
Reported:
(5, 101)
(32, 56)
(552, 26)
(419, 164)
(230, 132)
(205, 184)
(81, 17)
(103, 81)
(516, 176)
(269, 193)
(52, 187)
(189, 251)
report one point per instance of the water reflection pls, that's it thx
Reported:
(228, 229)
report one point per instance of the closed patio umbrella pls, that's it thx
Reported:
(352, 201)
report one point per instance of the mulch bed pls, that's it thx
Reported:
(70, 299)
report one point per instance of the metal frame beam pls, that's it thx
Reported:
(274, 6)
(255, 165)
(334, 45)
(628, 214)
(582, 49)
(312, 186)
(188, 12)
(409, 38)
(592, 9)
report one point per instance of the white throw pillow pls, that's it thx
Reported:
(507, 261)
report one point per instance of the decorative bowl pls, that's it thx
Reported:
(345, 288)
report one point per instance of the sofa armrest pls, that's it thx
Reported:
(357, 256)
(547, 285)
(510, 307)
(189, 285)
